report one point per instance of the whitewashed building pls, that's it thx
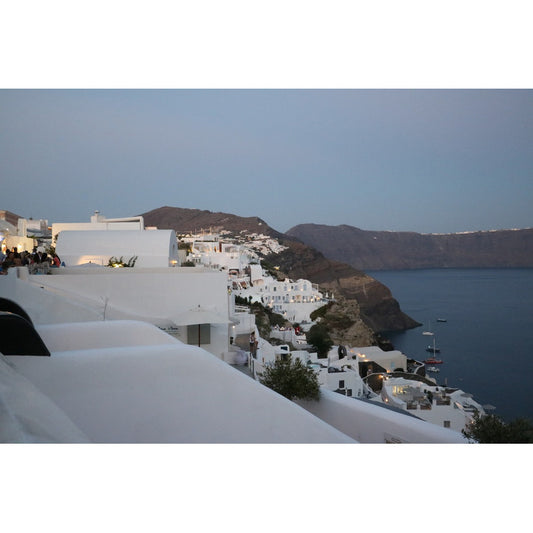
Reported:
(99, 222)
(446, 407)
(126, 239)
(147, 248)
(294, 300)
(191, 304)
(15, 237)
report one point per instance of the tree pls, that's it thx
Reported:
(291, 379)
(318, 337)
(491, 429)
(320, 312)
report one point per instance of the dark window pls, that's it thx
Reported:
(341, 384)
(198, 334)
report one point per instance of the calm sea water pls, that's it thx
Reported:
(487, 341)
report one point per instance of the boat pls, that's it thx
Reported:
(432, 349)
(428, 331)
(442, 320)
(433, 369)
(433, 361)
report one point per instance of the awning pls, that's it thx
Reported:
(199, 315)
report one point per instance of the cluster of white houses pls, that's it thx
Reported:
(293, 299)
(124, 311)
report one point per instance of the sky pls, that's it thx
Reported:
(394, 116)
(401, 160)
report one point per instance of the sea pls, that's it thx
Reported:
(485, 332)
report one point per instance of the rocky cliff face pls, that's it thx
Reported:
(378, 309)
(369, 302)
(387, 250)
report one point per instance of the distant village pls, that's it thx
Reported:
(199, 290)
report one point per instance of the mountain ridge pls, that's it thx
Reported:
(389, 250)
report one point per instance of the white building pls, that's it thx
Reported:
(295, 300)
(210, 251)
(378, 360)
(190, 303)
(334, 374)
(443, 406)
(99, 222)
(15, 237)
(101, 239)
(149, 248)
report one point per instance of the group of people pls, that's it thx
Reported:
(39, 260)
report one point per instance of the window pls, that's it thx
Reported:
(341, 384)
(198, 334)
(349, 392)
(446, 423)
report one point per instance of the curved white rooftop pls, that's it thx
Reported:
(153, 248)
(151, 389)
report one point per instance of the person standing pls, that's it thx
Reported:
(253, 344)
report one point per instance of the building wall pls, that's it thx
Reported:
(153, 248)
(21, 243)
(10, 217)
(151, 295)
(95, 225)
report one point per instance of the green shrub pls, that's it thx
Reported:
(320, 312)
(491, 429)
(318, 337)
(114, 262)
(291, 379)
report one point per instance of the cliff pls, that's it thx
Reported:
(370, 302)
(387, 250)
(379, 310)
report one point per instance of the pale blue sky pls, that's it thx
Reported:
(403, 160)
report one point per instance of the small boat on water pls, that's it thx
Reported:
(432, 349)
(433, 369)
(428, 331)
(441, 320)
(433, 361)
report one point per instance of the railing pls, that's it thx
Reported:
(39, 268)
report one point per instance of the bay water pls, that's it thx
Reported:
(486, 341)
